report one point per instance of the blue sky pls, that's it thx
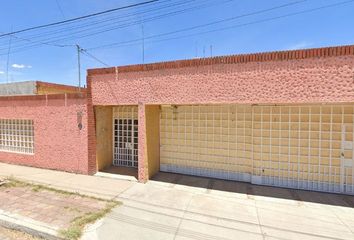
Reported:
(326, 27)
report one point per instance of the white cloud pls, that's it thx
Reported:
(300, 45)
(15, 65)
(2, 72)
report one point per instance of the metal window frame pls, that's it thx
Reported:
(17, 136)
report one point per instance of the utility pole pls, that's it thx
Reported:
(143, 38)
(79, 64)
(8, 58)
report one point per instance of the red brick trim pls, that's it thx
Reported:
(44, 97)
(241, 58)
(91, 131)
(59, 86)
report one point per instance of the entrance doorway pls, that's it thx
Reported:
(125, 137)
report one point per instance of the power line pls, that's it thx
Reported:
(128, 43)
(185, 29)
(131, 42)
(65, 29)
(60, 9)
(84, 51)
(210, 23)
(79, 18)
(47, 41)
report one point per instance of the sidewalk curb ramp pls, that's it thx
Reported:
(27, 225)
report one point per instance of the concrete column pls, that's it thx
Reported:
(104, 137)
(149, 141)
(142, 154)
(152, 118)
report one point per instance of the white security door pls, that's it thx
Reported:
(125, 137)
(347, 160)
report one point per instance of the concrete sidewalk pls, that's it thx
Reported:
(183, 207)
(89, 185)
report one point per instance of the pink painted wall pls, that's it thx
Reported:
(308, 80)
(58, 142)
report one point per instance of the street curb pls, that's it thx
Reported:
(116, 176)
(27, 225)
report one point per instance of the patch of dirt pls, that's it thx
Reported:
(7, 234)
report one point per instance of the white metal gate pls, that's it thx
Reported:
(207, 140)
(304, 147)
(125, 137)
(296, 146)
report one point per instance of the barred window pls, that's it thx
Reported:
(16, 135)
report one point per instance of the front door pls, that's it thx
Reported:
(125, 141)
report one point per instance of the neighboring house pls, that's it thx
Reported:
(44, 125)
(279, 118)
(35, 88)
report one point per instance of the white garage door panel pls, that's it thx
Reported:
(213, 141)
(304, 146)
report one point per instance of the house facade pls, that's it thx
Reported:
(44, 125)
(279, 118)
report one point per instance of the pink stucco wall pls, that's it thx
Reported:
(58, 142)
(309, 80)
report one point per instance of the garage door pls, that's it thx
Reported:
(303, 147)
(213, 141)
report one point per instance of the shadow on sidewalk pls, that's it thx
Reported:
(256, 190)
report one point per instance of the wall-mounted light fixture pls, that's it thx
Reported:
(79, 120)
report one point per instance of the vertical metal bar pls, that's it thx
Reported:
(330, 182)
(173, 129)
(244, 133)
(352, 144)
(280, 170)
(177, 123)
(271, 147)
(261, 155)
(309, 150)
(298, 147)
(114, 135)
(199, 133)
(342, 172)
(213, 127)
(185, 127)
(236, 131)
(319, 151)
(252, 141)
(289, 146)
(193, 137)
(221, 127)
(228, 141)
(342, 153)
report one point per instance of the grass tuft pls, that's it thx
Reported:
(77, 225)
